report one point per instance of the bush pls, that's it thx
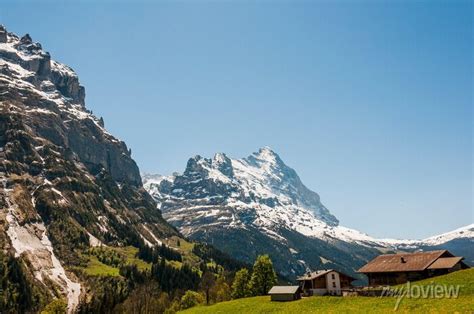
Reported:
(190, 299)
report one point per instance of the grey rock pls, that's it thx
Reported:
(26, 39)
(3, 34)
(69, 86)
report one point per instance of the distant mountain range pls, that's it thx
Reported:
(258, 204)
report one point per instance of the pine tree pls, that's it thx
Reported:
(263, 276)
(240, 286)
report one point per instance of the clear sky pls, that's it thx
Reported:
(369, 101)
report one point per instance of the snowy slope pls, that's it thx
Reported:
(466, 232)
(460, 233)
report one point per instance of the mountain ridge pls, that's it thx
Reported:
(66, 183)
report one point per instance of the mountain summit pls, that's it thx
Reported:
(261, 183)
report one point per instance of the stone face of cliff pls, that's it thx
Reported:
(66, 183)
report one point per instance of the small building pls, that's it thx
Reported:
(393, 269)
(324, 282)
(285, 293)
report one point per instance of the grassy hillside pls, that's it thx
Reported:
(463, 304)
(464, 278)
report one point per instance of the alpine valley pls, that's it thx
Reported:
(258, 204)
(80, 231)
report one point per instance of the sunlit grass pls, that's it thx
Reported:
(96, 268)
(463, 304)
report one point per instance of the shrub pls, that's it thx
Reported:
(190, 299)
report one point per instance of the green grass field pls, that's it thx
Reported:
(463, 304)
(130, 252)
(96, 268)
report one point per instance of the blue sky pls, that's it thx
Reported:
(370, 101)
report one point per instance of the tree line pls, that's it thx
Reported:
(153, 254)
(167, 289)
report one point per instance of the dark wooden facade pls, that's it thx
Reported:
(393, 269)
(394, 278)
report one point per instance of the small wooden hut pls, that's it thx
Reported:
(285, 293)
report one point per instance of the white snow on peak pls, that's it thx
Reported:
(152, 179)
(63, 69)
(266, 154)
(460, 233)
(219, 158)
(463, 232)
(213, 172)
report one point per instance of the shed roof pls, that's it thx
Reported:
(284, 289)
(445, 262)
(402, 262)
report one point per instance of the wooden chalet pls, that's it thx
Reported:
(323, 282)
(392, 269)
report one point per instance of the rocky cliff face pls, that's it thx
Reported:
(66, 183)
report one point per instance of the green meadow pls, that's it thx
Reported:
(464, 303)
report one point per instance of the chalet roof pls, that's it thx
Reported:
(284, 289)
(445, 262)
(403, 262)
(315, 274)
(319, 273)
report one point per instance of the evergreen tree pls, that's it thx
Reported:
(263, 276)
(240, 286)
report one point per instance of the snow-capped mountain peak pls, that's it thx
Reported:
(260, 182)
